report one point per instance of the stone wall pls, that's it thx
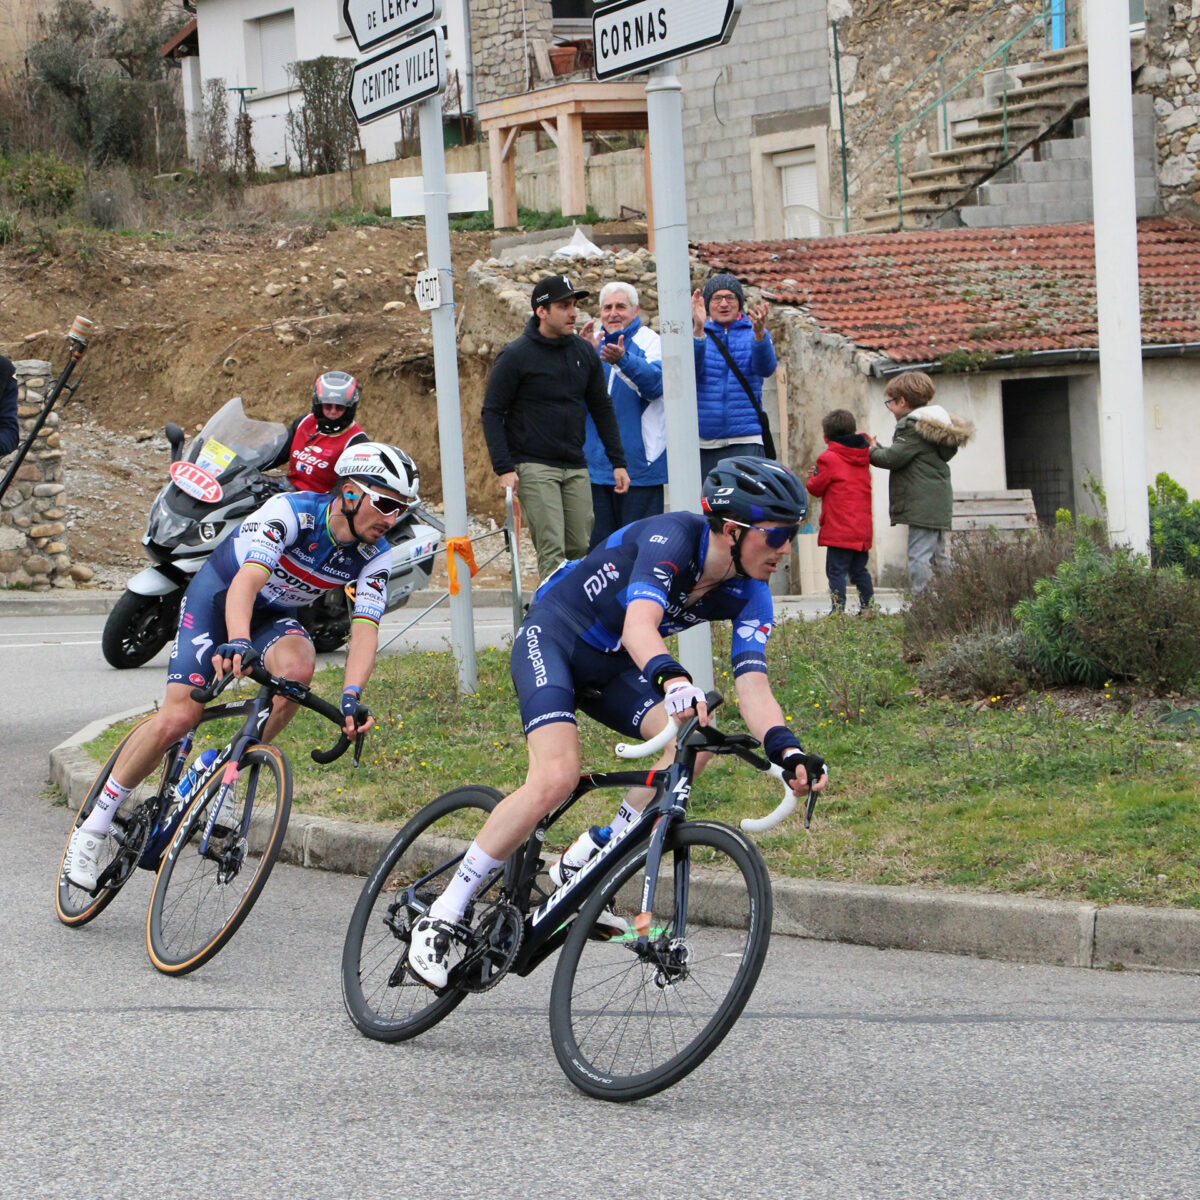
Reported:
(1172, 76)
(500, 45)
(33, 545)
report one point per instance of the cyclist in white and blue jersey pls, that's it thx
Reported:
(593, 639)
(239, 606)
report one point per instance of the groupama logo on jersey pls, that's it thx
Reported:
(599, 580)
(195, 481)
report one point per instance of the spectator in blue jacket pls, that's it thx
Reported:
(10, 429)
(729, 421)
(631, 354)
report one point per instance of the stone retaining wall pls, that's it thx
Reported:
(33, 533)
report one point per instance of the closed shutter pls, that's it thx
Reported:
(798, 188)
(277, 49)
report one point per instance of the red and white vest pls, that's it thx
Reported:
(314, 455)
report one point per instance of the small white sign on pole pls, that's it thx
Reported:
(467, 192)
(373, 21)
(398, 77)
(428, 290)
(634, 35)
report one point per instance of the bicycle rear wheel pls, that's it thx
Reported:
(382, 998)
(628, 1021)
(76, 906)
(201, 899)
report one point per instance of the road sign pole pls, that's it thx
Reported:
(445, 370)
(664, 116)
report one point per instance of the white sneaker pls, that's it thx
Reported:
(82, 863)
(429, 952)
(609, 924)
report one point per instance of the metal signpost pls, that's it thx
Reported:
(413, 72)
(640, 35)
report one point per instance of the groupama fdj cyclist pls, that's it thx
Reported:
(598, 624)
(294, 546)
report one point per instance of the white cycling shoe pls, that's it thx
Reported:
(608, 924)
(82, 863)
(429, 951)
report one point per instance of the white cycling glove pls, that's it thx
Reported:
(682, 695)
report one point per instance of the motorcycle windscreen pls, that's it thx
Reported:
(231, 440)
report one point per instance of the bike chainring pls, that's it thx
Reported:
(495, 941)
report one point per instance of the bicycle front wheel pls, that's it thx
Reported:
(122, 849)
(382, 998)
(628, 1019)
(202, 895)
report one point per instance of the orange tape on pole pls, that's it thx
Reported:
(459, 547)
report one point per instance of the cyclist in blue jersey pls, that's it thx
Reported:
(593, 640)
(297, 545)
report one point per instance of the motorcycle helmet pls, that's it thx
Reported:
(335, 387)
(749, 490)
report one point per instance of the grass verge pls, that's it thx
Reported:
(1085, 796)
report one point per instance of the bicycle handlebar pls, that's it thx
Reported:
(290, 689)
(781, 811)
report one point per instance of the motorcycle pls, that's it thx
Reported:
(215, 483)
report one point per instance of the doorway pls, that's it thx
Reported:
(1037, 442)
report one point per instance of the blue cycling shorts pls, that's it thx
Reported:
(202, 630)
(555, 672)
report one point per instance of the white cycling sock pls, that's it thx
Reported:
(626, 815)
(100, 819)
(475, 867)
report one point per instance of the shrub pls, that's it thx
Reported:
(323, 129)
(996, 662)
(1114, 617)
(1174, 527)
(10, 227)
(41, 184)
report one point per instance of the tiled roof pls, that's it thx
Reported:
(919, 296)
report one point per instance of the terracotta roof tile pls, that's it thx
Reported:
(918, 296)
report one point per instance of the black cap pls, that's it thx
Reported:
(555, 287)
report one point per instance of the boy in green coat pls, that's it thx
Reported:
(920, 494)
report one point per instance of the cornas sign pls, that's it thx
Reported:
(634, 35)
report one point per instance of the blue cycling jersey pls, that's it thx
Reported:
(659, 559)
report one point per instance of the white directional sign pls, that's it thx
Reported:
(634, 35)
(400, 76)
(374, 21)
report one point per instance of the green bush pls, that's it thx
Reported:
(1114, 617)
(41, 184)
(10, 228)
(1174, 527)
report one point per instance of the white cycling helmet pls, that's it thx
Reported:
(381, 465)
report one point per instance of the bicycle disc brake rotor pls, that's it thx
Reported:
(673, 964)
(494, 945)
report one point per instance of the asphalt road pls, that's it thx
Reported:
(853, 1073)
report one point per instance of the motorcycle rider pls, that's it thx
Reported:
(318, 439)
(295, 546)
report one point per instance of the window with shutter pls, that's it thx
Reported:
(799, 193)
(276, 49)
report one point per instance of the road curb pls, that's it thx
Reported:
(983, 925)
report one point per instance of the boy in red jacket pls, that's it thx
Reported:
(842, 477)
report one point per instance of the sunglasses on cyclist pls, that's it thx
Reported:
(777, 537)
(386, 506)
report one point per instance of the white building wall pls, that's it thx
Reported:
(227, 51)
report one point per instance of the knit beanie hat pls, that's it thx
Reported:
(719, 283)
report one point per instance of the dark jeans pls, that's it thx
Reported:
(710, 458)
(841, 563)
(613, 512)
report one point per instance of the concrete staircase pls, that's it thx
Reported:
(1043, 98)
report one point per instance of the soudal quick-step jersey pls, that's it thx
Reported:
(289, 537)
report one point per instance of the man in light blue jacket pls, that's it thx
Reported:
(631, 354)
(728, 413)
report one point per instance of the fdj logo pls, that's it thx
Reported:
(595, 584)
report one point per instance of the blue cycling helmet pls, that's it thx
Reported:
(749, 490)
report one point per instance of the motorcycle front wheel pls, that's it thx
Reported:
(138, 627)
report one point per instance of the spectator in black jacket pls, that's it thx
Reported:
(10, 430)
(535, 410)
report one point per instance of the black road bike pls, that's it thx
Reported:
(629, 1016)
(213, 851)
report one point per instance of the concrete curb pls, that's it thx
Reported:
(984, 925)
